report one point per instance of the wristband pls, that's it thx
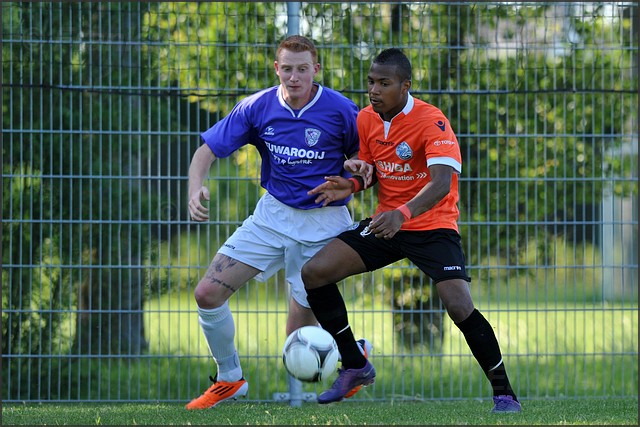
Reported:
(406, 213)
(356, 185)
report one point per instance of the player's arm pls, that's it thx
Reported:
(198, 171)
(334, 188)
(361, 169)
(337, 188)
(387, 224)
(432, 193)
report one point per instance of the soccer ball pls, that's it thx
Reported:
(310, 354)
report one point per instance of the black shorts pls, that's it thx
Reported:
(438, 253)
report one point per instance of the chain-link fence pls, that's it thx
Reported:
(103, 104)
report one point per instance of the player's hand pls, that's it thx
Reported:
(386, 224)
(360, 168)
(197, 210)
(335, 188)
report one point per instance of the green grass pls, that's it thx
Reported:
(587, 411)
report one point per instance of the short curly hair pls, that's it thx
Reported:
(394, 56)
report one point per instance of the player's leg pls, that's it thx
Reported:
(309, 245)
(253, 249)
(481, 339)
(320, 275)
(223, 277)
(345, 256)
(299, 312)
(439, 254)
(333, 263)
(299, 316)
(456, 298)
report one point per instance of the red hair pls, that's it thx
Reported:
(298, 44)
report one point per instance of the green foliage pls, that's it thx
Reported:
(231, 34)
(103, 118)
(77, 205)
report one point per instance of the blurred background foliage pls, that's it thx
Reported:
(103, 104)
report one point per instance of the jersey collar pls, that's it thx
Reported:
(406, 110)
(408, 106)
(310, 104)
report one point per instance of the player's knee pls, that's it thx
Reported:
(201, 297)
(311, 275)
(205, 297)
(459, 311)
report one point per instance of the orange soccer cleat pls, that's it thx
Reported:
(219, 392)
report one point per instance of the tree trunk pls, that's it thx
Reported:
(110, 312)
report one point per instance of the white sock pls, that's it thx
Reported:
(219, 331)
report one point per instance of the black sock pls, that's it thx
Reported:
(482, 341)
(329, 308)
(500, 382)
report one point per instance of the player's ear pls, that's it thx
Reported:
(406, 85)
(316, 68)
(275, 66)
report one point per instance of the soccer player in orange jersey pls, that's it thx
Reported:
(410, 149)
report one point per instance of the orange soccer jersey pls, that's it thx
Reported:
(402, 150)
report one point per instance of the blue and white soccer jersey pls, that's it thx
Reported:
(298, 149)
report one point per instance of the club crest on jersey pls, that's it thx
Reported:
(311, 136)
(404, 151)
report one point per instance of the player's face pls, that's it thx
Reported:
(387, 91)
(296, 71)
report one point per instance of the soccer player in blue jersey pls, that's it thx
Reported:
(303, 132)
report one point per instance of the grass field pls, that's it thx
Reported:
(467, 412)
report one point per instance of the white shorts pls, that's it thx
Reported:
(277, 236)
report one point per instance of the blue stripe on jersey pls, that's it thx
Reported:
(297, 151)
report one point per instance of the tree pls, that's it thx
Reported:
(103, 116)
(84, 198)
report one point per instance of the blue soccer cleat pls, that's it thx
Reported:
(346, 381)
(505, 403)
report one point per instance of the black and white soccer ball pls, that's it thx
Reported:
(310, 354)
